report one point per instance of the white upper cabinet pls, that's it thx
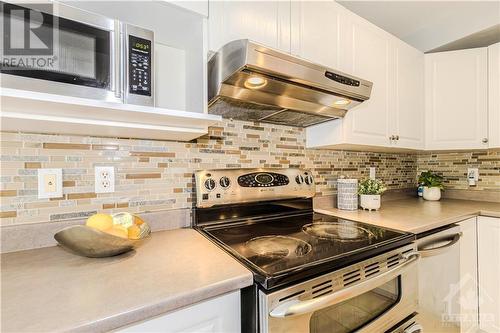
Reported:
(407, 122)
(314, 31)
(494, 95)
(367, 54)
(456, 99)
(395, 108)
(265, 22)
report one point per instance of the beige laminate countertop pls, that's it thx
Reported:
(49, 289)
(417, 215)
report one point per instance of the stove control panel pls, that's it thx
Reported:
(230, 186)
(263, 179)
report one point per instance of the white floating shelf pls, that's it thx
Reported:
(36, 112)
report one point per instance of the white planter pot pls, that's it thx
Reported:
(432, 193)
(369, 201)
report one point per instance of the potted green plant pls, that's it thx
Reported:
(432, 183)
(369, 191)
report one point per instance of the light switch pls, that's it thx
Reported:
(49, 183)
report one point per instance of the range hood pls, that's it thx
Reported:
(248, 81)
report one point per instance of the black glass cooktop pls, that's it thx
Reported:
(285, 249)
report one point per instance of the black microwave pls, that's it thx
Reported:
(58, 49)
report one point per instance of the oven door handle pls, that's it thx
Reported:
(453, 239)
(296, 307)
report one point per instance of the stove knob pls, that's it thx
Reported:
(210, 184)
(309, 180)
(225, 182)
(299, 179)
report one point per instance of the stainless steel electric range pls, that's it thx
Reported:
(312, 272)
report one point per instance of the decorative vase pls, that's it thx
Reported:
(370, 201)
(347, 194)
(432, 193)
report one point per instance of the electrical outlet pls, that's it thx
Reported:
(49, 183)
(472, 176)
(372, 172)
(104, 179)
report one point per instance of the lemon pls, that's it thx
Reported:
(100, 221)
(118, 231)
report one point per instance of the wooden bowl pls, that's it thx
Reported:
(93, 243)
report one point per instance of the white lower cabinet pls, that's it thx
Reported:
(489, 273)
(217, 315)
(459, 278)
(468, 282)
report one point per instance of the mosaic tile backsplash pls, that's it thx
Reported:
(158, 175)
(453, 166)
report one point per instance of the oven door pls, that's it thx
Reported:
(68, 52)
(371, 304)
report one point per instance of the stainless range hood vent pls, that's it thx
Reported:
(248, 81)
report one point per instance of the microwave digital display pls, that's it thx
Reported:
(139, 66)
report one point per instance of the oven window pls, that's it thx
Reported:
(356, 312)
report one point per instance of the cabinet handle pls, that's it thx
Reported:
(485, 140)
(392, 137)
(397, 137)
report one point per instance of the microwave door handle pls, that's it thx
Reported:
(296, 307)
(454, 239)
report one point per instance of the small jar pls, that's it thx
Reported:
(347, 194)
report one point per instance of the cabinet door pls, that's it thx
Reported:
(456, 99)
(407, 120)
(314, 31)
(265, 22)
(489, 273)
(494, 95)
(218, 315)
(366, 53)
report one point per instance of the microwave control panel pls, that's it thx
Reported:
(139, 57)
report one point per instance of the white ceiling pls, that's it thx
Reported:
(428, 24)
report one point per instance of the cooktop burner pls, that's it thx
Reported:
(343, 232)
(276, 248)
